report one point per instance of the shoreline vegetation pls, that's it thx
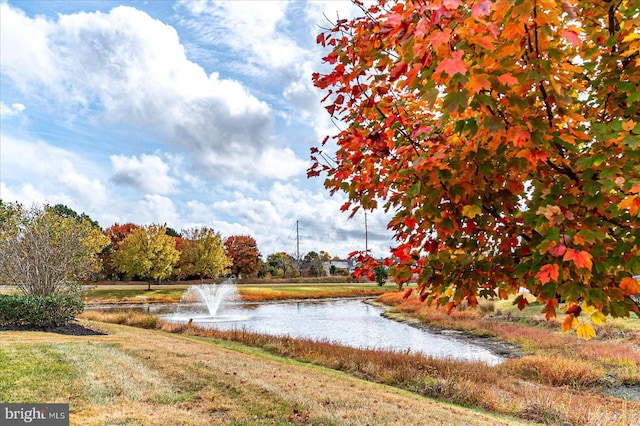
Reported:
(548, 377)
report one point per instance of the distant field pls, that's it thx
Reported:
(138, 293)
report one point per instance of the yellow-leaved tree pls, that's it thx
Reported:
(148, 252)
(202, 254)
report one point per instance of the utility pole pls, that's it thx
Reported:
(297, 242)
(366, 235)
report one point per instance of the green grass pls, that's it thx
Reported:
(24, 369)
(118, 293)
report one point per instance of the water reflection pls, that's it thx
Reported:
(349, 322)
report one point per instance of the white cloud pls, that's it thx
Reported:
(38, 168)
(280, 164)
(157, 209)
(148, 174)
(251, 28)
(226, 134)
(10, 110)
(28, 59)
(126, 67)
(272, 221)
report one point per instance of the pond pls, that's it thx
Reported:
(349, 322)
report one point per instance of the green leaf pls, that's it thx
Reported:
(633, 97)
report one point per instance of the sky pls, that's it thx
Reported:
(184, 113)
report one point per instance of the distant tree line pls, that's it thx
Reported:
(152, 253)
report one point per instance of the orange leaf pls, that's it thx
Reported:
(631, 202)
(582, 259)
(453, 65)
(439, 38)
(507, 79)
(578, 240)
(630, 286)
(550, 309)
(449, 307)
(478, 82)
(567, 324)
(547, 273)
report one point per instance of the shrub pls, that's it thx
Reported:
(39, 311)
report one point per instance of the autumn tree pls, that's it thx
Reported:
(280, 261)
(202, 254)
(504, 135)
(147, 252)
(44, 253)
(117, 234)
(244, 254)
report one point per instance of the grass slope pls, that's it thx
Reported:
(147, 377)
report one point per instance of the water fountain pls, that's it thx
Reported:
(203, 302)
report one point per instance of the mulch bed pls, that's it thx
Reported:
(71, 329)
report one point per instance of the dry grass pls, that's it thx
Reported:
(267, 293)
(612, 358)
(569, 375)
(147, 377)
(540, 388)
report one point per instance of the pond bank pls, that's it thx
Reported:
(492, 344)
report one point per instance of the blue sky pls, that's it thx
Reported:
(186, 113)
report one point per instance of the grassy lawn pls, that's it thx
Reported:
(182, 373)
(133, 376)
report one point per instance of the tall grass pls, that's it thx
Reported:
(562, 359)
(540, 388)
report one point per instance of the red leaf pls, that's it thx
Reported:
(572, 37)
(574, 310)
(439, 38)
(407, 293)
(453, 65)
(481, 8)
(558, 250)
(521, 302)
(548, 273)
(398, 70)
